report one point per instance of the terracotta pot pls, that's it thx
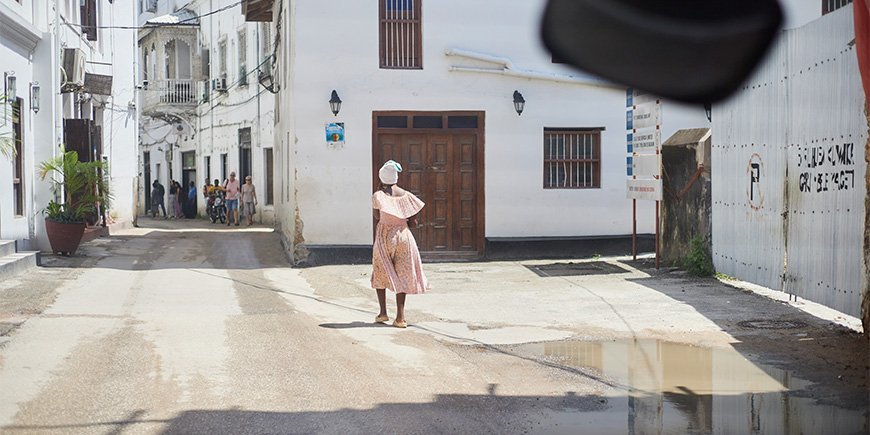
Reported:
(64, 237)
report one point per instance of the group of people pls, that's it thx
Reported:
(238, 198)
(183, 204)
(181, 201)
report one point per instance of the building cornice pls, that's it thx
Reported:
(17, 29)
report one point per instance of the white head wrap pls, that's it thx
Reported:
(389, 173)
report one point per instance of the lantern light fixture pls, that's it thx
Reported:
(519, 102)
(335, 103)
(34, 97)
(10, 82)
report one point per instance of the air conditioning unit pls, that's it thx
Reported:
(73, 74)
(220, 84)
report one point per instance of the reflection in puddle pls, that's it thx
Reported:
(675, 388)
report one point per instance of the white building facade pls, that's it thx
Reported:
(432, 85)
(204, 113)
(74, 89)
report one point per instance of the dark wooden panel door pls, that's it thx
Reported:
(465, 217)
(439, 189)
(444, 169)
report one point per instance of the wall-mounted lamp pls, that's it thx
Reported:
(335, 103)
(519, 102)
(708, 110)
(10, 91)
(267, 81)
(34, 97)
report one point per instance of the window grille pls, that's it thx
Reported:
(400, 34)
(572, 158)
(829, 6)
(222, 58)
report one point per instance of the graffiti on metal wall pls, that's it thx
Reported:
(753, 171)
(826, 169)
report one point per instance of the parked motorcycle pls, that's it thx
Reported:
(216, 208)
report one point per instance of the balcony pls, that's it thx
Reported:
(172, 95)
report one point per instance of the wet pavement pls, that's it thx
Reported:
(187, 327)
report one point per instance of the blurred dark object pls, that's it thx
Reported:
(697, 51)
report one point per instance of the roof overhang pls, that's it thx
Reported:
(181, 17)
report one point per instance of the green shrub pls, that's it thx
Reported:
(698, 261)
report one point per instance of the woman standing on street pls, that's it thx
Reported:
(249, 199)
(396, 263)
(173, 199)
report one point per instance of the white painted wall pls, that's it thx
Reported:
(111, 54)
(334, 186)
(17, 57)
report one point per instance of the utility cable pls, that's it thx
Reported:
(153, 25)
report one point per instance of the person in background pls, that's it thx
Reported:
(173, 199)
(180, 199)
(249, 199)
(156, 199)
(233, 189)
(190, 204)
(157, 193)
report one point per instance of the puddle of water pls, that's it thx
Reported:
(664, 388)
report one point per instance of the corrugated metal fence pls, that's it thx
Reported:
(788, 169)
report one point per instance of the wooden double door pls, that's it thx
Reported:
(444, 168)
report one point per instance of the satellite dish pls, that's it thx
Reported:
(696, 51)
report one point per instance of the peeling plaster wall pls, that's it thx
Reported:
(684, 218)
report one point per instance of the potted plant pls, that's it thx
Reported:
(82, 188)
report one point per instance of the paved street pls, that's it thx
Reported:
(188, 327)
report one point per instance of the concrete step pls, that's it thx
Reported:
(14, 264)
(7, 247)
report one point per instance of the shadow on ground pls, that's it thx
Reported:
(677, 412)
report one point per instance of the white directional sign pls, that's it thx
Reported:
(646, 165)
(643, 119)
(647, 141)
(649, 189)
(646, 115)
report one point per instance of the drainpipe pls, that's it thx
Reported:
(259, 123)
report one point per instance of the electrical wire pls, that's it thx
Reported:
(154, 25)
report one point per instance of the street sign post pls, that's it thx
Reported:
(643, 119)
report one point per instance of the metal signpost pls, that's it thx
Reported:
(643, 120)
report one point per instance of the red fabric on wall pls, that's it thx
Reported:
(862, 43)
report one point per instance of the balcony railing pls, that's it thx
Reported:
(184, 92)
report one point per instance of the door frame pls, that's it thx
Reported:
(480, 167)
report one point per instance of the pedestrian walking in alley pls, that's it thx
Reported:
(249, 199)
(179, 200)
(233, 189)
(173, 199)
(157, 192)
(190, 204)
(396, 263)
(156, 199)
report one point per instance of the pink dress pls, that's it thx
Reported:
(396, 263)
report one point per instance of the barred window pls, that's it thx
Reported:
(829, 6)
(401, 42)
(572, 158)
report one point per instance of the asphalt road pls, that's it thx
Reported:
(186, 327)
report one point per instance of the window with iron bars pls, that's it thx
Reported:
(829, 6)
(401, 38)
(572, 158)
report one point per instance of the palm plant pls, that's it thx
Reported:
(83, 186)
